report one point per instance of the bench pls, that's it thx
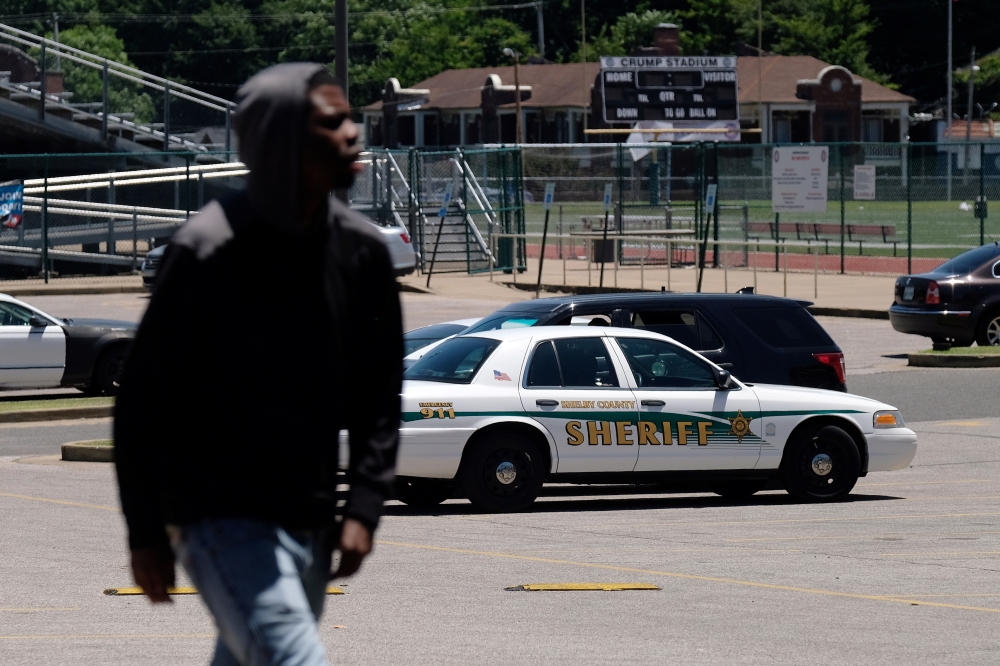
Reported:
(814, 231)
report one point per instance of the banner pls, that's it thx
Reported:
(11, 203)
(799, 179)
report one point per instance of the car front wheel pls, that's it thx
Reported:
(821, 465)
(502, 472)
(108, 370)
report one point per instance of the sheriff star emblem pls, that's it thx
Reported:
(739, 425)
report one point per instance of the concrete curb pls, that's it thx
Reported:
(953, 361)
(413, 289)
(581, 290)
(85, 452)
(91, 412)
(70, 290)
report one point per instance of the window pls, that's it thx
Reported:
(685, 326)
(871, 129)
(406, 129)
(969, 261)
(572, 363)
(785, 327)
(512, 320)
(430, 129)
(782, 130)
(14, 315)
(422, 337)
(658, 364)
(454, 361)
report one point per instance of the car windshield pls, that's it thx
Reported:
(969, 261)
(421, 337)
(509, 320)
(454, 361)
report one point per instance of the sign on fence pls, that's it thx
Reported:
(799, 179)
(550, 191)
(443, 213)
(713, 188)
(607, 197)
(864, 182)
(11, 203)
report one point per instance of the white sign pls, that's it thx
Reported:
(713, 188)
(607, 197)
(550, 191)
(669, 62)
(799, 179)
(864, 183)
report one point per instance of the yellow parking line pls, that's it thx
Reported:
(941, 552)
(581, 587)
(131, 591)
(785, 521)
(35, 610)
(855, 537)
(674, 574)
(65, 502)
(70, 637)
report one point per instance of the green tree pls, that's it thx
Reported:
(86, 82)
(628, 32)
(985, 87)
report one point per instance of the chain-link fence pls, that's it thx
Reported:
(922, 213)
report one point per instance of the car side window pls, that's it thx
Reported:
(14, 315)
(659, 364)
(687, 327)
(572, 363)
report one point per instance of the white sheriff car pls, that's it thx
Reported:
(500, 412)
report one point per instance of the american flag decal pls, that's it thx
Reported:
(500, 376)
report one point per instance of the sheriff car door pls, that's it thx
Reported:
(573, 386)
(685, 421)
(30, 356)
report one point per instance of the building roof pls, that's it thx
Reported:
(568, 84)
(781, 75)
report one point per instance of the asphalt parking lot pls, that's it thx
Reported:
(906, 572)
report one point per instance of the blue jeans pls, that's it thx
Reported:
(264, 585)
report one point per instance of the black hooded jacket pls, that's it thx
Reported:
(262, 341)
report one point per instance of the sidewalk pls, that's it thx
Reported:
(115, 284)
(829, 290)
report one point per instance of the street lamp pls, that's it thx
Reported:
(511, 53)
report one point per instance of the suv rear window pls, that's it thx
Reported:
(685, 326)
(785, 327)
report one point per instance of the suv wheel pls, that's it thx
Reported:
(821, 464)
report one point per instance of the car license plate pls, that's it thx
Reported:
(908, 294)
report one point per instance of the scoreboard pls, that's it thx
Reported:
(696, 89)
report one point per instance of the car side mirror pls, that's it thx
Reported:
(38, 322)
(723, 379)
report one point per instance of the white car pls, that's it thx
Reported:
(500, 412)
(397, 239)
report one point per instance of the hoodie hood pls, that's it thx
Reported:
(270, 121)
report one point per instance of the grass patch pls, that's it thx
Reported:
(61, 403)
(97, 442)
(966, 351)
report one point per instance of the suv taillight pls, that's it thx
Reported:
(835, 361)
(406, 239)
(933, 294)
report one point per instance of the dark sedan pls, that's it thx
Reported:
(761, 339)
(957, 303)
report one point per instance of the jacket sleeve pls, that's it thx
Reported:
(143, 402)
(376, 350)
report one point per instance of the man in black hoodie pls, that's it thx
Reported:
(274, 324)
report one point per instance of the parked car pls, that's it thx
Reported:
(758, 338)
(958, 302)
(420, 338)
(38, 350)
(150, 264)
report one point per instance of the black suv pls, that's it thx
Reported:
(758, 338)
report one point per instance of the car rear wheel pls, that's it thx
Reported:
(988, 329)
(421, 492)
(821, 465)
(502, 472)
(108, 370)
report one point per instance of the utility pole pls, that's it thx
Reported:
(516, 55)
(541, 29)
(340, 67)
(583, 56)
(760, 68)
(55, 35)
(968, 119)
(949, 96)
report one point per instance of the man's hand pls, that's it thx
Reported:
(153, 571)
(355, 544)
